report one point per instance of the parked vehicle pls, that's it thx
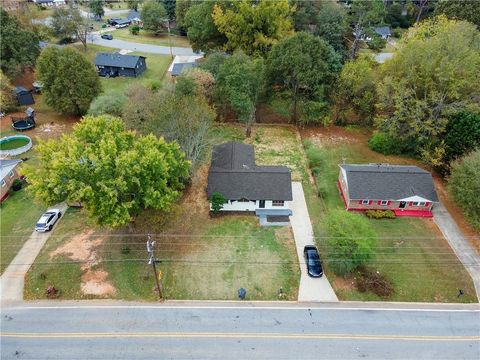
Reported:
(107, 37)
(312, 259)
(47, 220)
(120, 26)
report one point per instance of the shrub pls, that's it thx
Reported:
(384, 144)
(17, 185)
(155, 85)
(371, 280)
(125, 250)
(464, 184)
(135, 29)
(316, 157)
(217, 200)
(351, 241)
(377, 43)
(110, 104)
(380, 214)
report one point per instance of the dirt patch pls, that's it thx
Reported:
(344, 283)
(82, 248)
(333, 135)
(94, 282)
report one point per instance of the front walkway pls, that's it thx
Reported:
(13, 278)
(311, 289)
(462, 248)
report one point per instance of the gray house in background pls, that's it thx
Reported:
(24, 96)
(115, 64)
(383, 31)
(247, 187)
(180, 67)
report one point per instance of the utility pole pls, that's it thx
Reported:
(152, 261)
(169, 39)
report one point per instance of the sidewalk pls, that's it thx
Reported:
(311, 289)
(465, 253)
(13, 278)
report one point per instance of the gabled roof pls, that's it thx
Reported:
(383, 30)
(117, 60)
(133, 15)
(388, 182)
(123, 21)
(180, 67)
(20, 89)
(6, 166)
(234, 174)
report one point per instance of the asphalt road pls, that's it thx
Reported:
(231, 332)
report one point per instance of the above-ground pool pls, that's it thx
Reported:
(15, 145)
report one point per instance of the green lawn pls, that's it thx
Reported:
(145, 37)
(157, 66)
(411, 251)
(18, 215)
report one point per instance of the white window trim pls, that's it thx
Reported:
(278, 203)
(10, 174)
(421, 203)
(4, 183)
(415, 203)
(365, 202)
(384, 202)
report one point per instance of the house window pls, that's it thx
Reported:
(384, 202)
(4, 183)
(278, 202)
(10, 174)
(365, 202)
(415, 203)
(421, 203)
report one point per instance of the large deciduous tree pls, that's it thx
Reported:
(464, 184)
(112, 172)
(134, 4)
(462, 134)
(351, 241)
(468, 10)
(184, 119)
(154, 16)
(355, 91)
(201, 30)
(169, 6)
(181, 8)
(435, 72)
(18, 46)
(96, 7)
(240, 81)
(70, 81)
(8, 102)
(305, 65)
(254, 26)
(68, 23)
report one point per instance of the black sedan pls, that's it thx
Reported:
(312, 259)
(107, 37)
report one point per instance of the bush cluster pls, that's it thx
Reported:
(371, 280)
(384, 144)
(380, 214)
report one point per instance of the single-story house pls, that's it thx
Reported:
(24, 96)
(383, 31)
(247, 187)
(181, 67)
(135, 17)
(118, 22)
(406, 190)
(115, 64)
(8, 174)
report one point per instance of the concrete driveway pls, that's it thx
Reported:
(462, 248)
(311, 289)
(13, 278)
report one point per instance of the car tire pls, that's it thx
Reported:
(49, 228)
(59, 214)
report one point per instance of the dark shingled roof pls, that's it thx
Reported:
(383, 31)
(117, 60)
(388, 182)
(180, 67)
(234, 174)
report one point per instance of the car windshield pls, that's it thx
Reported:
(40, 224)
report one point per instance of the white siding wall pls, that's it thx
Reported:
(252, 205)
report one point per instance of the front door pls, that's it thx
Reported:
(402, 204)
(262, 204)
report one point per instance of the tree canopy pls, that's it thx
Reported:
(154, 16)
(240, 81)
(254, 26)
(435, 71)
(8, 102)
(464, 184)
(68, 23)
(468, 10)
(112, 172)
(201, 29)
(18, 46)
(305, 65)
(70, 81)
(96, 7)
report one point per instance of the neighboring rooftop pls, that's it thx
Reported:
(116, 60)
(6, 166)
(383, 31)
(180, 67)
(388, 182)
(234, 174)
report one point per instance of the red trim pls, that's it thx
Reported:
(370, 202)
(360, 202)
(414, 213)
(379, 202)
(341, 194)
(410, 203)
(427, 204)
(4, 197)
(389, 202)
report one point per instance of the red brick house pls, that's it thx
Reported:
(8, 174)
(406, 190)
